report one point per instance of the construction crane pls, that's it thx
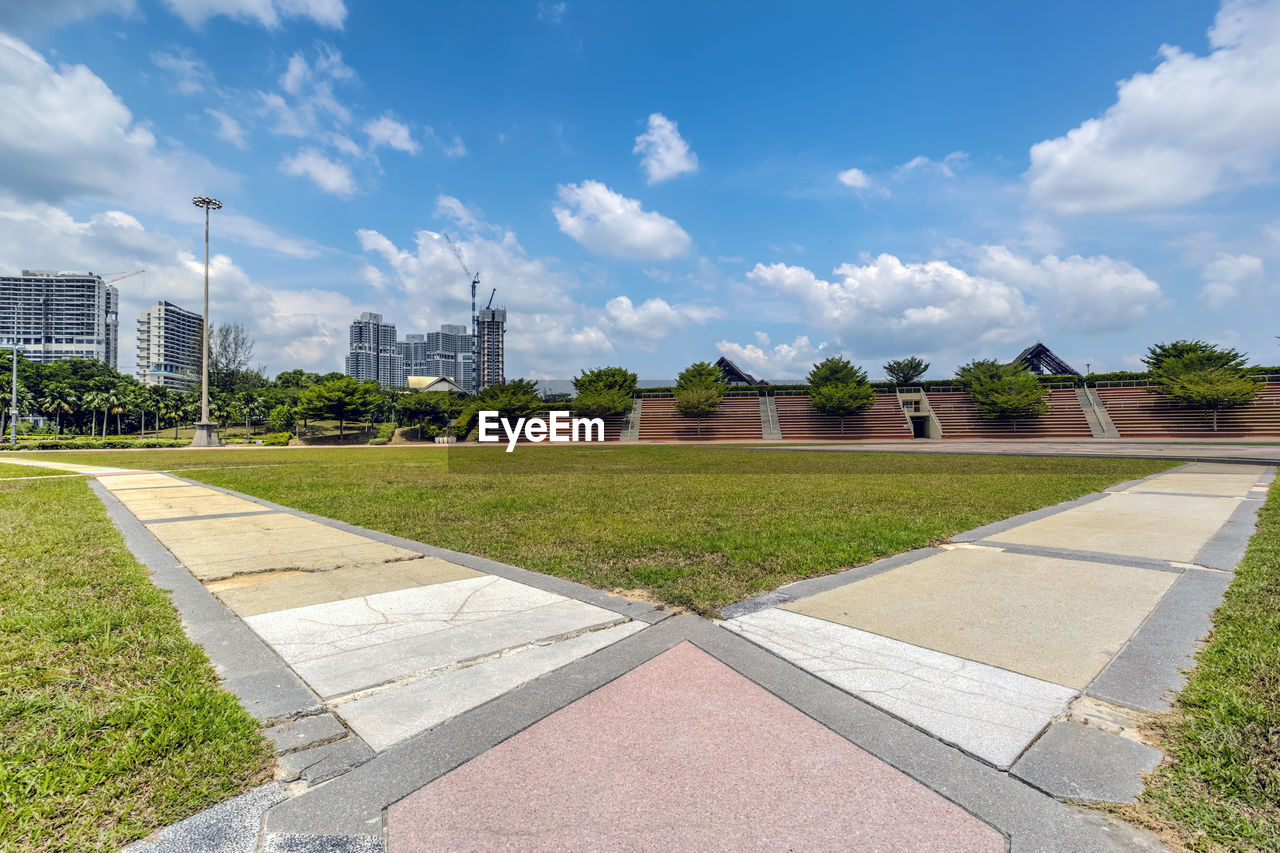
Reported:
(123, 276)
(475, 320)
(491, 295)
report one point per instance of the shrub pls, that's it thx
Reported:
(94, 444)
(384, 434)
(277, 439)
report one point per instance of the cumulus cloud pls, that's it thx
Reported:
(653, 319)
(855, 179)
(292, 328)
(1094, 294)
(1193, 126)
(328, 175)
(782, 361)
(612, 224)
(663, 152)
(889, 306)
(1227, 276)
(387, 131)
(549, 334)
(267, 13)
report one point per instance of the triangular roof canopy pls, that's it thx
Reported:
(1041, 360)
(433, 383)
(735, 375)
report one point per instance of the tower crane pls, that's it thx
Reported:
(475, 321)
(123, 277)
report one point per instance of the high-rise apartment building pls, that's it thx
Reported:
(55, 315)
(373, 352)
(491, 331)
(170, 346)
(443, 353)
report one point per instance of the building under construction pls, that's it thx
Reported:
(491, 330)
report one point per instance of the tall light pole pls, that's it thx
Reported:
(13, 399)
(206, 434)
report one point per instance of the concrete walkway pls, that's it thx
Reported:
(953, 698)
(1187, 451)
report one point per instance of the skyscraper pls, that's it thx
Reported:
(491, 329)
(443, 353)
(55, 315)
(170, 348)
(373, 351)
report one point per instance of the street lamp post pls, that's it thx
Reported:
(13, 398)
(206, 434)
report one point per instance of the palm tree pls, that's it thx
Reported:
(158, 397)
(24, 404)
(56, 400)
(115, 397)
(253, 408)
(93, 401)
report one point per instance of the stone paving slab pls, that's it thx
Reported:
(1162, 527)
(988, 712)
(1084, 764)
(352, 645)
(1151, 666)
(159, 504)
(739, 768)
(322, 763)
(306, 732)
(1053, 619)
(139, 480)
(1200, 482)
(255, 594)
(389, 716)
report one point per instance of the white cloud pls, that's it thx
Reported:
(1079, 294)
(783, 361)
(292, 328)
(268, 13)
(229, 129)
(189, 71)
(855, 179)
(326, 174)
(1193, 126)
(311, 100)
(653, 319)
(664, 153)
(613, 224)
(1226, 276)
(387, 131)
(886, 306)
(922, 165)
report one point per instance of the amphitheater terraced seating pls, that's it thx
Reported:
(738, 418)
(612, 429)
(1141, 413)
(884, 420)
(959, 419)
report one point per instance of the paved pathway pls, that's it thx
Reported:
(953, 698)
(1201, 451)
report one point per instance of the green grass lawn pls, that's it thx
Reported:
(112, 723)
(9, 472)
(1220, 789)
(700, 527)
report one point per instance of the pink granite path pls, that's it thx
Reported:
(681, 753)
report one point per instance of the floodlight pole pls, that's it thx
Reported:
(206, 434)
(13, 399)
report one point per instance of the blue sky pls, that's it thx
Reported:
(650, 184)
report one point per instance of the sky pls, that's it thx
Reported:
(649, 184)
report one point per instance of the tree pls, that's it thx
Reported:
(342, 399)
(93, 401)
(1008, 392)
(296, 379)
(281, 419)
(839, 388)
(906, 371)
(607, 379)
(1205, 380)
(230, 354)
(424, 408)
(25, 403)
(516, 398)
(1193, 355)
(834, 370)
(699, 391)
(979, 370)
(56, 401)
(604, 392)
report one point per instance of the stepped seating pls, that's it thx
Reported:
(884, 420)
(959, 419)
(1141, 413)
(738, 418)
